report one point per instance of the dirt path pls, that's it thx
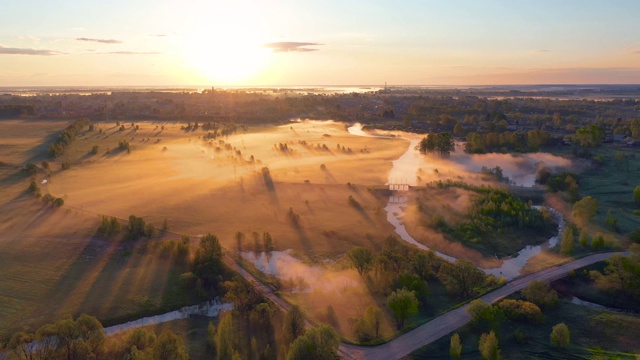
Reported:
(438, 327)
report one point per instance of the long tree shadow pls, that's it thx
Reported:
(328, 175)
(358, 207)
(70, 286)
(271, 188)
(40, 151)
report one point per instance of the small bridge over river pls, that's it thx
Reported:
(398, 186)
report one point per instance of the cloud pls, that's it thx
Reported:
(636, 52)
(539, 51)
(158, 35)
(103, 41)
(291, 46)
(27, 51)
(131, 53)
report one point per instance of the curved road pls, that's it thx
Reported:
(444, 324)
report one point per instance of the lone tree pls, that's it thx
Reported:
(566, 246)
(361, 259)
(585, 209)
(293, 323)
(455, 347)
(560, 335)
(402, 303)
(441, 143)
(488, 347)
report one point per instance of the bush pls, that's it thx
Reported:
(560, 335)
(520, 310)
(539, 293)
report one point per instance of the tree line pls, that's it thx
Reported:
(66, 137)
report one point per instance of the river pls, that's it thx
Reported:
(404, 171)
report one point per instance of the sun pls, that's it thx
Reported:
(226, 53)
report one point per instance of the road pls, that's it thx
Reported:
(441, 326)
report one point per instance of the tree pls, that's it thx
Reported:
(239, 240)
(455, 347)
(488, 347)
(437, 142)
(589, 136)
(207, 263)
(135, 227)
(566, 245)
(585, 209)
(373, 316)
(23, 345)
(361, 259)
(583, 238)
(560, 335)
(636, 195)
(623, 273)
(402, 303)
(140, 340)
(319, 343)
(224, 337)
(460, 278)
(485, 316)
(241, 294)
(83, 338)
(520, 310)
(169, 347)
(293, 325)
(539, 293)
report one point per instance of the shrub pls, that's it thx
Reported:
(520, 310)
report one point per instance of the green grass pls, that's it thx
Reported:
(613, 187)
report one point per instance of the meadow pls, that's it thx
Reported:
(53, 264)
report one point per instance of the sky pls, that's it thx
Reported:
(329, 42)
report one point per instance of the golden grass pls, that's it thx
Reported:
(51, 265)
(201, 190)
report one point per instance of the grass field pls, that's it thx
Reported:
(612, 185)
(52, 264)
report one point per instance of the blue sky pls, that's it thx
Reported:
(285, 42)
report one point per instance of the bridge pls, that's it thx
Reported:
(398, 186)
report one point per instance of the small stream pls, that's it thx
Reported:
(404, 171)
(208, 309)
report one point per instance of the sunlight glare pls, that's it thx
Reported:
(227, 52)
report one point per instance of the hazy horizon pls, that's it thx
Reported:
(248, 43)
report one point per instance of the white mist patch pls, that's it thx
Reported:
(519, 168)
(308, 278)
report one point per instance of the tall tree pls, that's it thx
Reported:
(402, 303)
(293, 324)
(560, 335)
(585, 209)
(455, 346)
(361, 259)
(460, 278)
(207, 263)
(567, 243)
(488, 347)
(169, 346)
(225, 337)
